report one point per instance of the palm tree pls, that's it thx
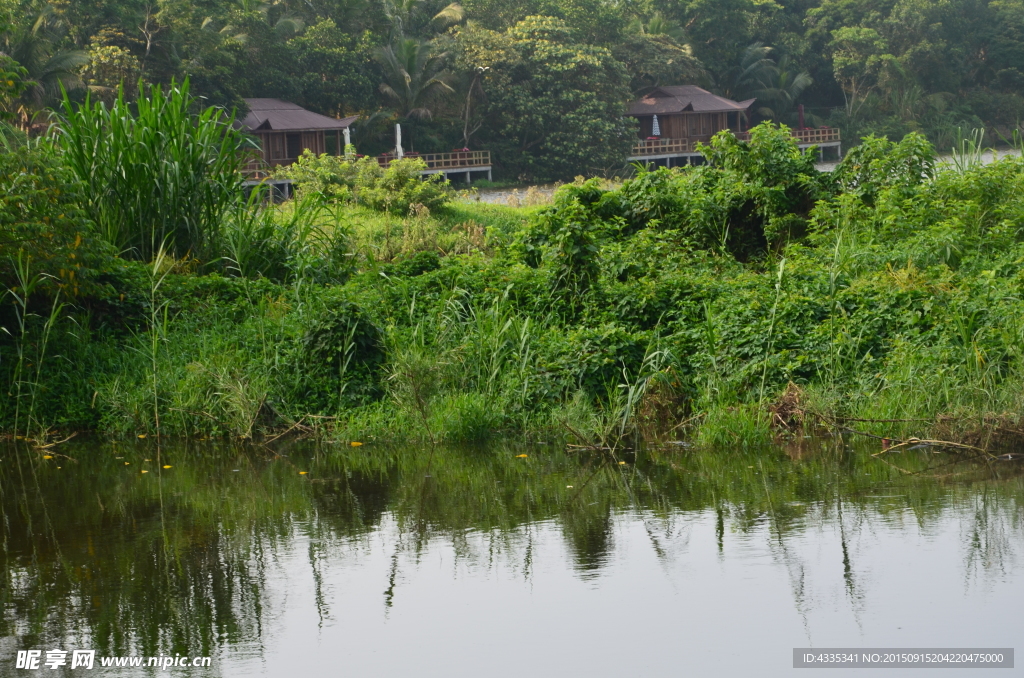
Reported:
(781, 87)
(749, 75)
(283, 21)
(658, 26)
(49, 69)
(415, 78)
(656, 53)
(411, 17)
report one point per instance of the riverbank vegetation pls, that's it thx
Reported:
(540, 84)
(724, 303)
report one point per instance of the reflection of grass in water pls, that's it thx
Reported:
(105, 566)
(108, 567)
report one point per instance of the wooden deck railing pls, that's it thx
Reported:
(256, 168)
(806, 136)
(662, 147)
(672, 146)
(444, 161)
(817, 136)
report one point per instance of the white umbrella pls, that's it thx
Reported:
(656, 130)
(398, 140)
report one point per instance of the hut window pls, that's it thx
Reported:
(294, 145)
(277, 146)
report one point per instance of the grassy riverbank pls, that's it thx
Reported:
(723, 303)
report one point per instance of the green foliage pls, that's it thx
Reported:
(13, 83)
(750, 197)
(554, 105)
(399, 188)
(303, 240)
(681, 300)
(41, 218)
(878, 164)
(559, 72)
(156, 177)
(771, 178)
(340, 357)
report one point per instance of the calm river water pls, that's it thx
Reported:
(304, 559)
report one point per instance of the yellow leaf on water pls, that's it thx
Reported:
(147, 460)
(568, 487)
(141, 436)
(145, 471)
(47, 456)
(355, 443)
(522, 456)
(168, 466)
(302, 473)
(622, 463)
(126, 463)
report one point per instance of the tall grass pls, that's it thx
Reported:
(968, 150)
(305, 239)
(157, 175)
(30, 346)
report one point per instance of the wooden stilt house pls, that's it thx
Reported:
(673, 120)
(285, 130)
(688, 114)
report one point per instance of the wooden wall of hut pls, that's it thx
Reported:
(684, 126)
(282, 148)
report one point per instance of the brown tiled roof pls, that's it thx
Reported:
(685, 99)
(283, 116)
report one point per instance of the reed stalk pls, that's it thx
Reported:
(157, 176)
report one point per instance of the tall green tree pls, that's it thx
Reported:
(554, 106)
(859, 56)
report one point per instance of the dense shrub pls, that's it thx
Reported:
(42, 221)
(399, 188)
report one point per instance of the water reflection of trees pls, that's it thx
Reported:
(94, 551)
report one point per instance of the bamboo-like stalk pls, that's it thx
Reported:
(158, 176)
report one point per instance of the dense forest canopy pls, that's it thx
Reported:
(543, 83)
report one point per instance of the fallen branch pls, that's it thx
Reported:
(59, 442)
(936, 443)
(289, 430)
